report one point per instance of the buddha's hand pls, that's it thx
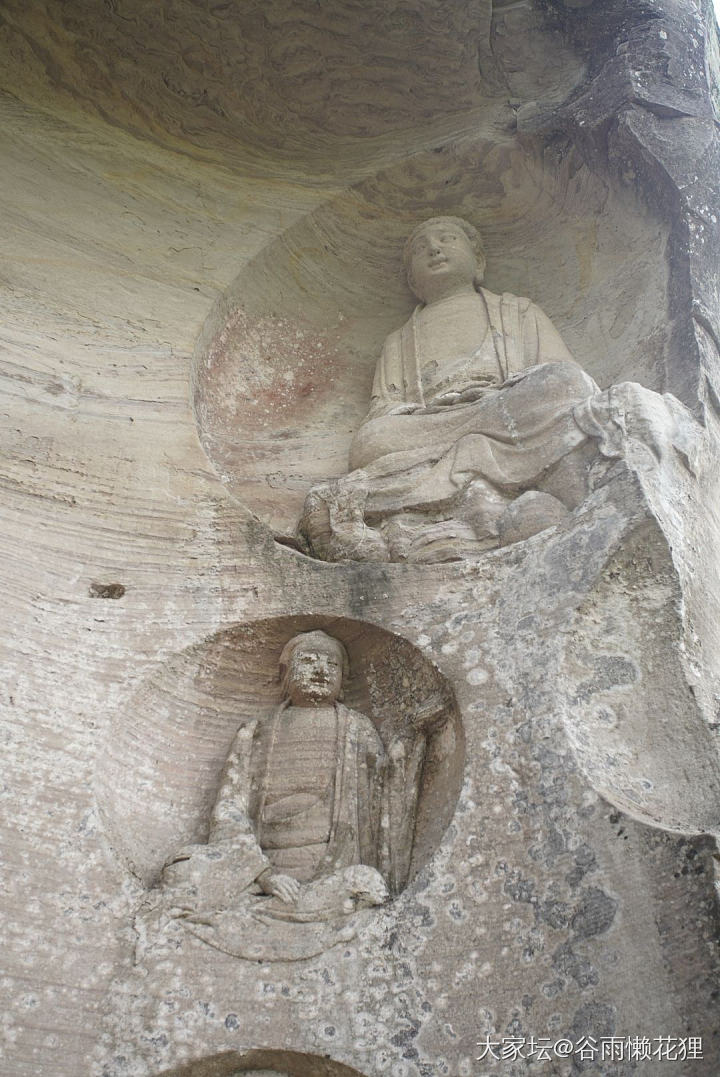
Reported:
(472, 393)
(405, 409)
(281, 886)
(468, 395)
(445, 400)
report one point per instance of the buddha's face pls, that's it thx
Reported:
(442, 261)
(315, 674)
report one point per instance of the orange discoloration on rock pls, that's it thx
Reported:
(266, 371)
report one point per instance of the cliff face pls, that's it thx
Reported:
(204, 207)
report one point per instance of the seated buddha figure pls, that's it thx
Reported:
(314, 816)
(471, 440)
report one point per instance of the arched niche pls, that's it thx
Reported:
(266, 1062)
(159, 768)
(284, 364)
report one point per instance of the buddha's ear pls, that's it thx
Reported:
(411, 286)
(480, 271)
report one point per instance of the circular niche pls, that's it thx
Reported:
(160, 767)
(283, 368)
(265, 1062)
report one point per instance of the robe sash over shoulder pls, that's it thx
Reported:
(355, 824)
(457, 457)
(522, 335)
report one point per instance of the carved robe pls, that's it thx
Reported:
(346, 834)
(344, 822)
(518, 335)
(520, 427)
(363, 815)
(422, 450)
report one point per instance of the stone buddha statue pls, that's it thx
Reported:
(314, 817)
(472, 438)
(316, 769)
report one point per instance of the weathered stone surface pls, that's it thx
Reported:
(320, 811)
(530, 914)
(175, 173)
(482, 429)
(306, 366)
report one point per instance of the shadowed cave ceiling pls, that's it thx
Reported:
(299, 82)
(325, 132)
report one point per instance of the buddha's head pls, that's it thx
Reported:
(313, 667)
(443, 256)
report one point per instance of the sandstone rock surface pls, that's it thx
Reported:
(203, 211)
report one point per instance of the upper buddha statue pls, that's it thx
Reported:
(473, 438)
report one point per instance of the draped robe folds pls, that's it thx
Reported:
(370, 804)
(355, 835)
(371, 799)
(352, 807)
(511, 436)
